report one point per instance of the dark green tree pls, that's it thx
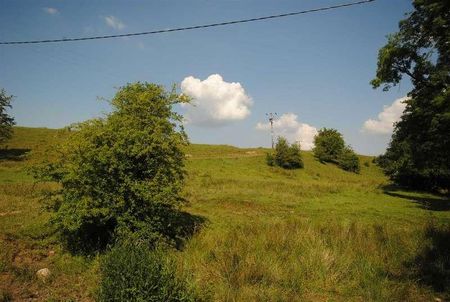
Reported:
(121, 176)
(285, 156)
(419, 152)
(348, 160)
(328, 145)
(6, 121)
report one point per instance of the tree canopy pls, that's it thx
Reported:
(418, 154)
(6, 121)
(121, 176)
(286, 156)
(328, 145)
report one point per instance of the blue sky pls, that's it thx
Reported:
(312, 69)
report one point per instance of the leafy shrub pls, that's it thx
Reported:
(287, 157)
(121, 175)
(348, 160)
(328, 145)
(131, 272)
(294, 157)
(270, 160)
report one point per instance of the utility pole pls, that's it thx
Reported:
(271, 116)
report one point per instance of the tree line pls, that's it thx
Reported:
(418, 155)
(329, 147)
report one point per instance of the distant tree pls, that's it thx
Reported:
(349, 161)
(418, 154)
(328, 145)
(6, 121)
(121, 176)
(285, 156)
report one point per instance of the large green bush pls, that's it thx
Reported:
(349, 161)
(121, 176)
(328, 145)
(133, 272)
(285, 156)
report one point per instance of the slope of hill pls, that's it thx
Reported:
(315, 234)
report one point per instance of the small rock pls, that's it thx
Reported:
(43, 274)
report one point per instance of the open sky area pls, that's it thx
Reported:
(312, 69)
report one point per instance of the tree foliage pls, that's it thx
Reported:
(285, 156)
(121, 176)
(6, 121)
(328, 145)
(418, 154)
(349, 161)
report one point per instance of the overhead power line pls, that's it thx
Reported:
(189, 27)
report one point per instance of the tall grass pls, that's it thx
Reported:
(302, 260)
(132, 272)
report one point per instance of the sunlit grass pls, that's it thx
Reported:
(314, 234)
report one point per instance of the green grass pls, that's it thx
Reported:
(316, 234)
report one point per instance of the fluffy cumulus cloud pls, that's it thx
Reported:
(384, 124)
(289, 127)
(214, 101)
(114, 22)
(51, 10)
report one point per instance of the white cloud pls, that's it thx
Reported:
(289, 127)
(384, 124)
(51, 10)
(114, 22)
(214, 101)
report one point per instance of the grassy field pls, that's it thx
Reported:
(316, 234)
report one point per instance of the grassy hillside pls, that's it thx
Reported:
(316, 234)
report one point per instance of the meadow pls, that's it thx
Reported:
(266, 234)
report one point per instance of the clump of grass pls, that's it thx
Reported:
(5, 296)
(23, 273)
(132, 272)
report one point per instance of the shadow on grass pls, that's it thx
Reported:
(187, 225)
(173, 227)
(435, 203)
(13, 154)
(432, 264)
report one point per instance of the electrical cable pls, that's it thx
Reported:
(186, 28)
